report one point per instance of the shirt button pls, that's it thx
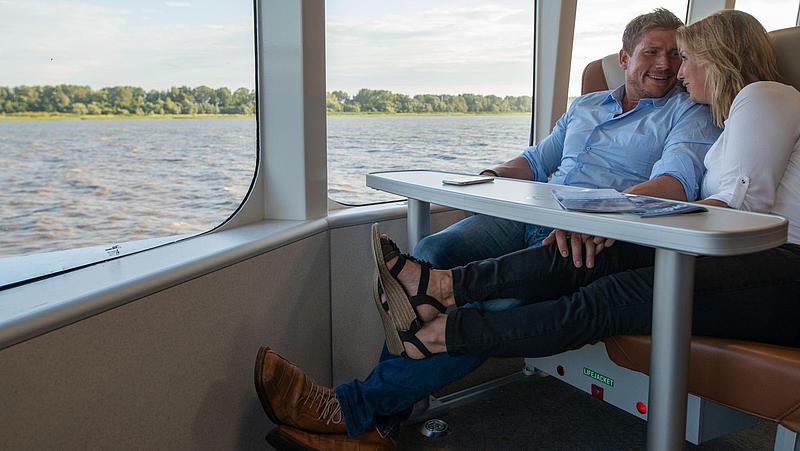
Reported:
(588, 148)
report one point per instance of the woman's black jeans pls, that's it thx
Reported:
(750, 297)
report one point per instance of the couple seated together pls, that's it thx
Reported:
(730, 139)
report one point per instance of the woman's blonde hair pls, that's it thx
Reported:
(735, 50)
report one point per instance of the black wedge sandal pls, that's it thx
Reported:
(402, 308)
(395, 338)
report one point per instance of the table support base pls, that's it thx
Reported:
(669, 361)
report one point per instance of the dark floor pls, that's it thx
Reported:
(547, 414)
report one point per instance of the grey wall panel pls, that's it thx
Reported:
(173, 370)
(357, 335)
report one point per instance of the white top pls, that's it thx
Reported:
(755, 163)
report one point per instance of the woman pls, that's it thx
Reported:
(728, 63)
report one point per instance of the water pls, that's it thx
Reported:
(72, 184)
(359, 145)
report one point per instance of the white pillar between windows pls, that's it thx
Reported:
(292, 108)
(291, 180)
(555, 27)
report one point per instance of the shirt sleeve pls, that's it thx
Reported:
(685, 148)
(545, 157)
(759, 139)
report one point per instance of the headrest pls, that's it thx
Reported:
(602, 74)
(787, 51)
(593, 79)
(615, 76)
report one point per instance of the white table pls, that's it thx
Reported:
(677, 239)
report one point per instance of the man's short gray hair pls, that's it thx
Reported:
(660, 18)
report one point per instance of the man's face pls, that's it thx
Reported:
(650, 71)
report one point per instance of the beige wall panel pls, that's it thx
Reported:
(357, 335)
(173, 370)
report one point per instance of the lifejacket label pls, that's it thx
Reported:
(598, 377)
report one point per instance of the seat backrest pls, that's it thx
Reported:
(787, 49)
(605, 73)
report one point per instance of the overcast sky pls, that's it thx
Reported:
(409, 46)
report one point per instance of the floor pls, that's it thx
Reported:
(546, 414)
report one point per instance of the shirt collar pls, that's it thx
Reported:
(617, 95)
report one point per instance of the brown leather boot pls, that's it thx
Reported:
(290, 397)
(286, 438)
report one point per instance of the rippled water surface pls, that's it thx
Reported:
(79, 183)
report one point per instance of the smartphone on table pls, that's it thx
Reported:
(468, 180)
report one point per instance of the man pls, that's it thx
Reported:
(645, 137)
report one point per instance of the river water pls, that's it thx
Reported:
(70, 184)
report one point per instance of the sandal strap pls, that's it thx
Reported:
(422, 298)
(390, 250)
(398, 265)
(410, 337)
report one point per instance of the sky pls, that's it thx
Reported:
(153, 44)
(409, 46)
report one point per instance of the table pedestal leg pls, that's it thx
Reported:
(669, 355)
(419, 222)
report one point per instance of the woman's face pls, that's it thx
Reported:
(693, 75)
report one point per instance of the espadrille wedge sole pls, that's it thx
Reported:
(400, 309)
(393, 341)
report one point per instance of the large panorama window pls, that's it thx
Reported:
(419, 84)
(120, 121)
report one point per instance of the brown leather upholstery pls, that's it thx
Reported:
(786, 43)
(593, 79)
(758, 378)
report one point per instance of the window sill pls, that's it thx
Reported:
(39, 307)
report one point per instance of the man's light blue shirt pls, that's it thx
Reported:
(595, 145)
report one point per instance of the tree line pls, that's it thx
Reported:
(123, 100)
(126, 100)
(383, 101)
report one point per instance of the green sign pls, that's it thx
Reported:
(597, 376)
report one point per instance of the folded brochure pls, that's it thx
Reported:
(612, 201)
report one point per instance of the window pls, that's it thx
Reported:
(430, 85)
(773, 14)
(599, 25)
(92, 153)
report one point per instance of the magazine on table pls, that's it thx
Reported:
(611, 201)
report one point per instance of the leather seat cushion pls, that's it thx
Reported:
(758, 378)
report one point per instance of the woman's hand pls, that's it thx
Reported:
(575, 244)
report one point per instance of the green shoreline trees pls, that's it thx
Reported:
(124, 100)
(383, 101)
(129, 100)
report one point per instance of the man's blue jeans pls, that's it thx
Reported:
(387, 395)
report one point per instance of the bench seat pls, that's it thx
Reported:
(761, 379)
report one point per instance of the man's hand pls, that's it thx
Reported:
(575, 243)
(516, 168)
